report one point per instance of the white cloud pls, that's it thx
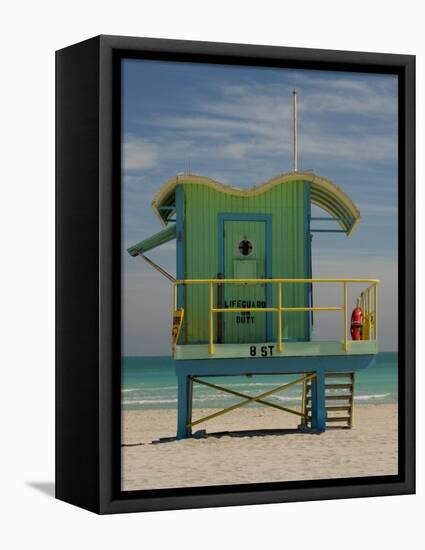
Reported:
(254, 121)
(348, 146)
(139, 154)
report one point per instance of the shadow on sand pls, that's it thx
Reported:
(202, 434)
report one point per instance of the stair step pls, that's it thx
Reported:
(339, 375)
(334, 403)
(334, 419)
(334, 387)
(339, 386)
(335, 408)
(334, 397)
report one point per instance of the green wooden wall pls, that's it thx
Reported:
(288, 205)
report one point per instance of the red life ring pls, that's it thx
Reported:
(356, 323)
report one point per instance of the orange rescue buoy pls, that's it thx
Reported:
(356, 323)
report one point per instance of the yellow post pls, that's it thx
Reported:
(174, 297)
(211, 346)
(279, 317)
(376, 311)
(368, 300)
(369, 315)
(345, 318)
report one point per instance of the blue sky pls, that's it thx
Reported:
(233, 124)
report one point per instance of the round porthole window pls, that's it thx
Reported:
(245, 247)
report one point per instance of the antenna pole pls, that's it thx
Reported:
(294, 132)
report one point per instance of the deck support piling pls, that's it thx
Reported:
(318, 404)
(184, 406)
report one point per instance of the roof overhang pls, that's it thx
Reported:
(323, 192)
(153, 241)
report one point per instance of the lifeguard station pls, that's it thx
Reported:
(243, 293)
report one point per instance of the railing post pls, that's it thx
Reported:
(345, 347)
(219, 314)
(279, 318)
(174, 297)
(369, 316)
(211, 345)
(376, 311)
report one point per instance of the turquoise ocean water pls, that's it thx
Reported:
(150, 383)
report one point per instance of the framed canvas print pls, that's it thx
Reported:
(235, 274)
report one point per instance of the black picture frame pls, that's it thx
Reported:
(88, 274)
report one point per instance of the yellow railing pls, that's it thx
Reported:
(368, 303)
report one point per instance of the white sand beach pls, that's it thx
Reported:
(369, 449)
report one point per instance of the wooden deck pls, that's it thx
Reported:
(269, 349)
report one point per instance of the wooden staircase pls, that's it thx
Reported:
(339, 399)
